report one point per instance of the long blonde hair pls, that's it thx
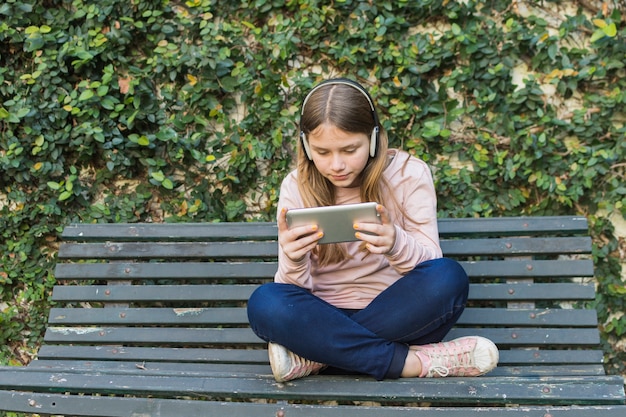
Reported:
(344, 106)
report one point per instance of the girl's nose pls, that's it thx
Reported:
(337, 163)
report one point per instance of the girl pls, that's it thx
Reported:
(380, 305)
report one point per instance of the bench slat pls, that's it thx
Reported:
(167, 250)
(199, 270)
(528, 269)
(169, 354)
(241, 292)
(531, 336)
(102, 406)
(263, 249)
(251, 370)
(212, 355)
(531, 317)
(154, 271)
(532, 291)
(128, 293)
(238, 316)
(496, 390)
(151, 336)
(170, 232)
(215, 336)
(512, 226)
(512, 246)
(502, 226)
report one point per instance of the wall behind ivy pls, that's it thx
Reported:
(186, 111)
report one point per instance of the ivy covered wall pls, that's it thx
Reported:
(186, 111)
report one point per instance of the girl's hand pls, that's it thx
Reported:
(297, 241)
(384, 235)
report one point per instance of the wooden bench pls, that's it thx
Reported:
(150, 320)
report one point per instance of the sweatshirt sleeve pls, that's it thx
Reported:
(417, 234)
(290, 272)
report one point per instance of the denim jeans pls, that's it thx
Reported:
(419, 308)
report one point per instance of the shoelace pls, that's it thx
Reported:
(452, 356)
(301, 367)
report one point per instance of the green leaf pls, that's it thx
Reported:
(610, 30)
(65, 195)
(34, 43)
(86, 95)
(22, 112)
(167, 183)
(54, 185)
(157, 175)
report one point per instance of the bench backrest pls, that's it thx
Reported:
(177, 292)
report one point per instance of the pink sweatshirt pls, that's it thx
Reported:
(355, 282)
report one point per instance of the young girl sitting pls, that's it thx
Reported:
(380, 305)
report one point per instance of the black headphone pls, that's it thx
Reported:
(359, 87)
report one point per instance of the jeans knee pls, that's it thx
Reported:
(457, 272)
(451, 276)
(272, 302)
(459, 277)
(260, 302)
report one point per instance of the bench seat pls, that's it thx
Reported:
(150, 320)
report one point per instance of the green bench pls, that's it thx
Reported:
(150, 320)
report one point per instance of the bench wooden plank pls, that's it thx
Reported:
(263, 370)
(266, 270)
(531, 336)
(528, 268)
(241, 292)
(516, 246)
(501, 226)
(213, 355)
(178, 355)
(170, 232)
(127, 293)
(155, 271)
(496, 390)
(152, 336)
(168, 250)
(214, 336)
(532, 317)
(149, 316)
(532, 291)
(264, 249)
(238, 315)
(102, 406)
(512, 226)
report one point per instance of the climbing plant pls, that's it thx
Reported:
(187, 111)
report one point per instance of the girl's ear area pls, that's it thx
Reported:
(373, 141)
(305, 145)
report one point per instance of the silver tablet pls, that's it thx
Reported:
(335, 221)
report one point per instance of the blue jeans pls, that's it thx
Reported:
(419, 308)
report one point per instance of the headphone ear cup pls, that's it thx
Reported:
(373, 141)
(305, 145)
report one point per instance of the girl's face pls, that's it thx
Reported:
(338, 155)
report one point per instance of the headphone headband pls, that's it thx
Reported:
(357, 86)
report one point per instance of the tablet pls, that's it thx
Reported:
(335, 221)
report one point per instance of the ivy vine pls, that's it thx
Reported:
(186, 111)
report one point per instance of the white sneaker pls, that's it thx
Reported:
(286, 365)
(465, 356)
